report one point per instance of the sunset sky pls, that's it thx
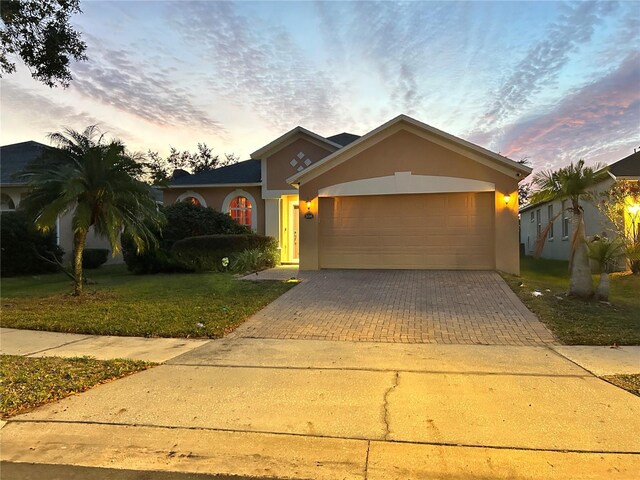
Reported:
(554, 82)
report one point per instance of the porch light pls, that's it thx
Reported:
(634, 208)
(507, 198)
(308, 205)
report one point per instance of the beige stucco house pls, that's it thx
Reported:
(403, 196)
(13, 159)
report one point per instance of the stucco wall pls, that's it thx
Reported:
(279, 166)
(215, 196)
(404, 151)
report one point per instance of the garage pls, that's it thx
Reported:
(425, 231)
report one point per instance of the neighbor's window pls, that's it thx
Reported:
(539, 223)
(240, 211)
(7, 203)
(192, 201)
(533, 216)
(550, 215)
(565, 220)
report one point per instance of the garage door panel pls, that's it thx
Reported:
(446, 231)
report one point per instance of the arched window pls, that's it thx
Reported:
(240, 211)
(7, 203)
(192, 201)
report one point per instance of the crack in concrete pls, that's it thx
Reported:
(387, 428)
(366, 461)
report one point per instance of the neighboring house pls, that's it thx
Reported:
(534, 218)
(405, 195)
(13, 159)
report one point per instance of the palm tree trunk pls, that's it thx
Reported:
(602, 292)
(580, 281)
(79, 238)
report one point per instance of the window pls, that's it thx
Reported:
(533, 216)
(539, 223)
(550, 215)
(240, 211)
(565, 220)
(192, 201)
(7, 203)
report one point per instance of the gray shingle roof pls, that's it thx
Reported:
(14, 158)
(627, 167)
(343, 138)
(241, 172)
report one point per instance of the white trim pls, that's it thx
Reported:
(215, 185)
(446, 139)
(254, 206)
(405, 182)
(271, 146)
(191, 193)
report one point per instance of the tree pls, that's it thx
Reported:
(99, 182)
(605, 253)
(40, 34)
(524, 191)
(203, 160)
(571, 183)
(621, 205)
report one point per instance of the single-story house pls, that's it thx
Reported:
(13, 159)
(535, 217)
(403, 196)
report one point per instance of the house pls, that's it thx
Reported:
(13, 159)
(534, 218)
(403, 196)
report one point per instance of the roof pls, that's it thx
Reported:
(15, 157)
(627, 167)
(317, 168)
(262, 152)
(343, 138)
(237, 173)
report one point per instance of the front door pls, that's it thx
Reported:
(294, 240)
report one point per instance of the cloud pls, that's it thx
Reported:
(257, 65)
(46, 115)
(114, 78)
(543, 62)
(599, 120)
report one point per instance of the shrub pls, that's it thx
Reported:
(94, 257)
(152, 260)
(206, 252)
(184, 220)
(254, 260)
(23, 246)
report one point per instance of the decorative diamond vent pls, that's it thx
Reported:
(307, 162)
(293, 162)
(301, 155)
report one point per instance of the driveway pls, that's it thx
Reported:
(400, 306)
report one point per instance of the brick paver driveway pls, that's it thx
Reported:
(409, 306)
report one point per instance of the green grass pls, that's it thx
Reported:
(631, 383)
(574, 321)
(179, 305)
(27, 382)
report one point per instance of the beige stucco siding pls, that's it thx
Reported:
(405, 151)
(279, 166)
(435, 231)
(215, 196)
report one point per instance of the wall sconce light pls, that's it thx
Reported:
(507, 198)
(308, 215)
(633, 209)
(308, 205)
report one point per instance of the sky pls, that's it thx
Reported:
(550, 81)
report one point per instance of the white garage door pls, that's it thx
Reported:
(431, 231)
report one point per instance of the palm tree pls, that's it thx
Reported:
(97, 181)
(605, 253)
(571, 183)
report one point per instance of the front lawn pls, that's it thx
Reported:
(179, 305)
(542, 286)
(27, 382)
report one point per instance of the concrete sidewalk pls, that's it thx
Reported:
(34, 343)
(349, 410)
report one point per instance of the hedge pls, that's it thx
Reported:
(92, 258)
(207, 251)
(23, 246)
